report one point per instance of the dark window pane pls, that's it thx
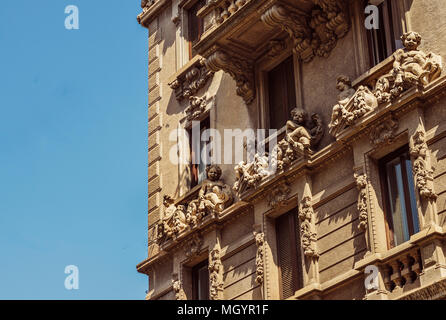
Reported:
(282, 93)
(399, 194)
(288, 248)
(200, 281)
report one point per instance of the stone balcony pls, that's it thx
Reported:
(238, 32)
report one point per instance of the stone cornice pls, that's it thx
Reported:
(151, 12)
(207, 225)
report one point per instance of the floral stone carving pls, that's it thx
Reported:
(423, 175)
(215, 274)
(307, 227)
(195, 78)
(361, 184)
(260, 240)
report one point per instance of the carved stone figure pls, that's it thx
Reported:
(174, 218)
(351, 105)
(296, 134)
(195, 78)
(361, 184)
(214, 195)
(249, 175)
(411, 67)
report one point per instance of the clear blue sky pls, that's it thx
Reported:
(73, 149)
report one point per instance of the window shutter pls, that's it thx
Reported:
(288, 248)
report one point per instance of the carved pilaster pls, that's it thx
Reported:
(260, 240)
(215, 274)
(423, 174)
(240, 70)
(177, 287)
(193, 79)
(307, 227)
(361, 184)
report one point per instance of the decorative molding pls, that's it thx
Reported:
(215, 274)
(196, 108)
(361, 184)
(279, 196)
(177, 287)
(145, 5)
(276, 47)
(384, 132)
(307, 228)
(260, 240)
(315, 34)
(423, 174)
(188, 82)
(193, 246)
(239, 69)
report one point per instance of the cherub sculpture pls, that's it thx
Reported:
(410, 67)
(296, 134)
(346, 92)
(214, 195)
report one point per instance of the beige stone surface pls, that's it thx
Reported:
(320, 183)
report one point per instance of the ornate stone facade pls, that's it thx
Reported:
(326, 196)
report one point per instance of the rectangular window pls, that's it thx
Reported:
(281, 93)
(195, 25)
(288, 251)
(198, 148)
(200, 281)
(399, 197)
(386, 39)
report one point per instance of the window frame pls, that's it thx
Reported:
(403, 154)
(294, 232)
(196, 278)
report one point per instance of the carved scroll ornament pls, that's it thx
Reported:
(313, 34)
(240, 70)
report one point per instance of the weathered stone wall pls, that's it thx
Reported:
(340, 242)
